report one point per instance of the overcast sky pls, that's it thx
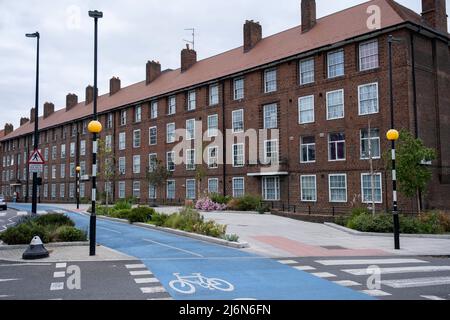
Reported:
(131, 33)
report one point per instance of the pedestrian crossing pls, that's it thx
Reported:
(383, 278)
(149, 284)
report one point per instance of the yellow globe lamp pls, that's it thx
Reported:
(393, 135)
(95, 126)
(78, 169)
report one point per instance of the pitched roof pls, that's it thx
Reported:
(331, 29)
(2, 132)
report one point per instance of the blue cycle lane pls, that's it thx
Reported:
(225, 273)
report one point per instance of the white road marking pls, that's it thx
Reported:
(41, 212)
(2, 214)
(287, 261)
(24, 264)
(57, 286)
(368, 262)
(146, 280)
(5, 280)
(4, 296)
(433, 298)
(153, 290)
(61, 265)
(323, 275)
(347, 283)
(59, 211)
(179, 249)
(304, 268)
(161, 299)
(22, 213)
(140, 273)
(55, 299)
(418, 282)
(135, 266)
(376, 293)
(363, 272)
(111, 230)
(59, 274)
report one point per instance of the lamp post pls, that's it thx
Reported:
(78, 169)
(36, 122)
(95, 128)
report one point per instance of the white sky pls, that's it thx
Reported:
(131, 33)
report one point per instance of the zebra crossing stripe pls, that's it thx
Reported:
(347, 283)
(140, 273)
(363, 272)
(57, 286)
(368, 262)
(59, 274)
(418, 282)
(22, 213)
(287, 261)
(323, 275)
(304, 268)
(61, 265)
(146, 280)
(153, 290)
(432, 298)
(135, 266)
(376, 293)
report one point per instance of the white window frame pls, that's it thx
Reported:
(377, 97)
(213, 131)
(136, 138)
(329, 66)
(150, 164)
(172, 105)
(343, 104)
(213, 95)
(190, 159)
(137, 114)
(270, 85)
(122, 165)
(154, 109)
(238, 91)
(378, 138)
(301, 71)
(121, 190)
(272, 159)
(302, 110)
(123, 117)
(192, 100)
(138, 189)
(302, 199)
(235, 165)
(233, 113)
(172, 157)
(82, 148)
(277, 189)
(136, 164)
(191, 192)
(170, 134)
(169, 196)
(307, 145)
(213, 164)
(216, 181)
(235, 195)
(190, 132)
(122, 140)
(336, 144)
(329, 187)
(361, 57)
(268, 117)
(376, 174)
(152, 192)
(155, 128)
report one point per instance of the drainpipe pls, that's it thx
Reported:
(224, 142)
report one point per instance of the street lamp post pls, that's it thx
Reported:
(36, 122)
(95, 128)
(78, 169)
(393, 136)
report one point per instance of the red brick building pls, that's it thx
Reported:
(321, 85)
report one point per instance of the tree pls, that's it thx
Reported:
(107, 169)
(157, 175)
(200, 174)
(412, 175)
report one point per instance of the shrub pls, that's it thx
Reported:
(430, 223)
(69, 234)
(23, 233)
(249, 203)
(369, 223)
(55, 219)
(121, 205)
(234, 204)
(120, 214)
(207, 204)
(219, 198)
(360, 210)
(209, 228)
(159, 219)
(140, 214)
(231, 237)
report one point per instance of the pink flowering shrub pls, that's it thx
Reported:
(206, 204)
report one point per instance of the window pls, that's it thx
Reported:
(213, 157)
(213, 94)
(306, 71)
(122, 167)
(170, 161)
(270, 80)
(335, 105)
(45, 191)
(336, 147)
(137, 138)
(152, 191)
(154, 110)
(53, 191)
(82, 148)
(72, 190)
(368, 55)
(308, 149)
(53, 171)
(371, 182)
(271, 151)
(74, 130)
(238, 187)
(72, 169)
(338, 187)
(122, 140)
(172, 105)
(190, 189)
(82, 189)
(190, 129)
(271, 188)
(45, 172)
(170, 189)
(336, 63)
(270, 116)
(238, 155)
(137, 114)
(238, 88)
(306, 110)
(123, 117)
(62, 171)
(170, 133)
(368, 99)
(122, 189)
(84, 126)
(238, 120)
(108, 143)
(153, 136)
(213, 125)
(72, 149)
(192, 100)
(62, 189)
(190, 159)
(109, 121)
(63, 151)
(136, 164)
(308, 188)
(152, 162)
(213, 185)
(45, 155)
(82, 168)
(370, 144)
(137, 189)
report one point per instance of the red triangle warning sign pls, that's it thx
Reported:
(36, 158)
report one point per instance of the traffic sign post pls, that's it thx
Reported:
(36, 162)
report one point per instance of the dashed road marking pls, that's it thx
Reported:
(368, 261)
(347, 283)
(433, 298)
(179, 249)
(6, 280)
(140, 273)
(146, 280)
(364, 272)
(417, 282)
(2, 214)
(5, 296)
(376, 293)
(111, 230)
(304, 268)
(61, 265)
(287, 261)
(57, 286)
(323, 274)
(135, 266)
(59, 274)
(153, 290)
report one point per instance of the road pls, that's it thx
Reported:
(8, 218)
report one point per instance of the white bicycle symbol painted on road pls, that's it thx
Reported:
(186, 284)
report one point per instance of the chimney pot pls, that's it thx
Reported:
(23, 121)
(32, 117)
(308, 15)
(71, 101)
(434, 14)
(188, 58)
(152, 71)
(89, 94)
(49, 108)
(114, 85)
(252, 34)
(8, 128)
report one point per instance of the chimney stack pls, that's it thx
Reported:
(252, 34)
(71, 101)
(308, 15)
(114, 85)
(188, 58)
(23, 121)
(49, 108)
(89, 94)
(434, 14)
(152, 71)
(8, 128)
(32, 115)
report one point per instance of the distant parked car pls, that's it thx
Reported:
(3, 204)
